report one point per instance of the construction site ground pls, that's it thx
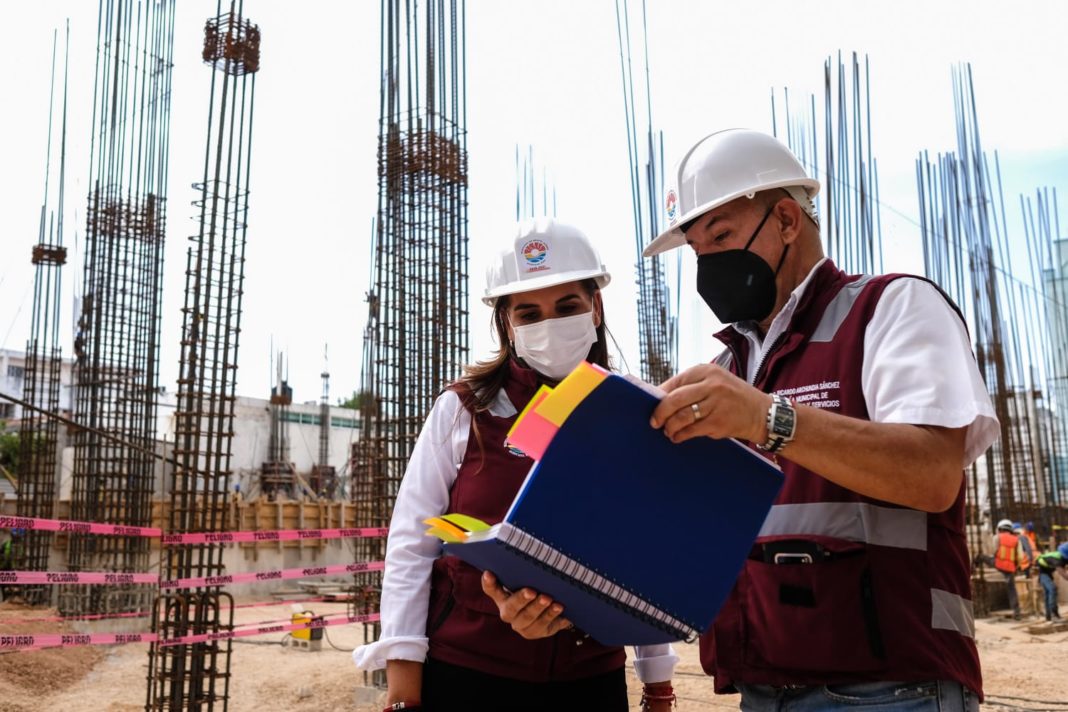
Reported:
(267, 676)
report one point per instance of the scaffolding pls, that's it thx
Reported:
(116, 346)
(38, 434)
(415, 341)
(196, 676)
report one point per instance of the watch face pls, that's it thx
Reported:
(783, 423)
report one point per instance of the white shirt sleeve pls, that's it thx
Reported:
(654, 663)
(410, 554)
(919, 368)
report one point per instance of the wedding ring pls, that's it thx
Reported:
(696, 412)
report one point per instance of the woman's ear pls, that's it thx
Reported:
(598, 309)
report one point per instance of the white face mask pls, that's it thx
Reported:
(554, 347)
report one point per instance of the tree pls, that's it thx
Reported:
(356, 400)
(9, 449)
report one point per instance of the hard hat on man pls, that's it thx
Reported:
(725, 166)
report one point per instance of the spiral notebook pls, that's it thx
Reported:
(638, 538)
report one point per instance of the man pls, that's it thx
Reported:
(864, 389)
(1008, 556)
(1032, 538)
(10, 552)
(1027, 552)
(1048, 563)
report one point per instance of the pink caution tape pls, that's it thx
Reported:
(61, 577)
(36, 641)
(32, 641)
(276, 575)
(64, 525)
(267, 629)
(273, 535)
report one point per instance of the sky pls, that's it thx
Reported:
(545, 74)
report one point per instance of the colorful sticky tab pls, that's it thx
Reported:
(541, 394)
(445, 536)
(437, 524)
(532, 436)
(465, 522)
(569, 393)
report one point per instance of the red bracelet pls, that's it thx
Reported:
(659, 693)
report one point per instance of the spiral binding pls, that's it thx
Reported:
(562, 566)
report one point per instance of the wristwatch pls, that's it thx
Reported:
(782, 422)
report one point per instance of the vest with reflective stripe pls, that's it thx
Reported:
(1049, 561)
(463, 623)
(887, 596)
(1007, 557)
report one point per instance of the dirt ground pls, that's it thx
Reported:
(268, 676)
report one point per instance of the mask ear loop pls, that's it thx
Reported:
(759, 227)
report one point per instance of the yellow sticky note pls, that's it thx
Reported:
(469, 523)
(569, 393)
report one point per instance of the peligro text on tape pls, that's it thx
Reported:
(63, 577)
(75, 527)
(64, 525)
(35, 641)
(272, 535)
(266, 629)
(275, 575)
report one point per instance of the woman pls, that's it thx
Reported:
(444, 644)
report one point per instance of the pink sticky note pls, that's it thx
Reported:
(532, 435)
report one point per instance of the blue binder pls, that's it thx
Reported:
(690, 514)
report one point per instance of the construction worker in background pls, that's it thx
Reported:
(1008, 553)
(10, 552)
(1029, 532)
(865, 390)
(1027, 552)
(452, 637)
(1046, 564)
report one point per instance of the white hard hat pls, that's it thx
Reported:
(544, 253)
(724, 166)
(1005, 524)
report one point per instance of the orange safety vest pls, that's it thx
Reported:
(1008, 555)
(1034, 542)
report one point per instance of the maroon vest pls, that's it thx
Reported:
(463, 623)
(892, 600)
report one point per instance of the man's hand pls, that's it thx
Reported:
(530, 615)
(728, 406)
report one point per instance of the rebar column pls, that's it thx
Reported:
(657, 317)
(38, 433)
(417, 331)
(196, 675)
(116, 347)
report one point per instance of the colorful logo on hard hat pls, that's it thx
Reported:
(672, 205)
(535, 252)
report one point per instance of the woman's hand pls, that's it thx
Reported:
(531, 615)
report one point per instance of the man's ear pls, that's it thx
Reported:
(788, 214)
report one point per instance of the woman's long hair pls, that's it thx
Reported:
(486, 378)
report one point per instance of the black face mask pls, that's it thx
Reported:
(738, 285)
